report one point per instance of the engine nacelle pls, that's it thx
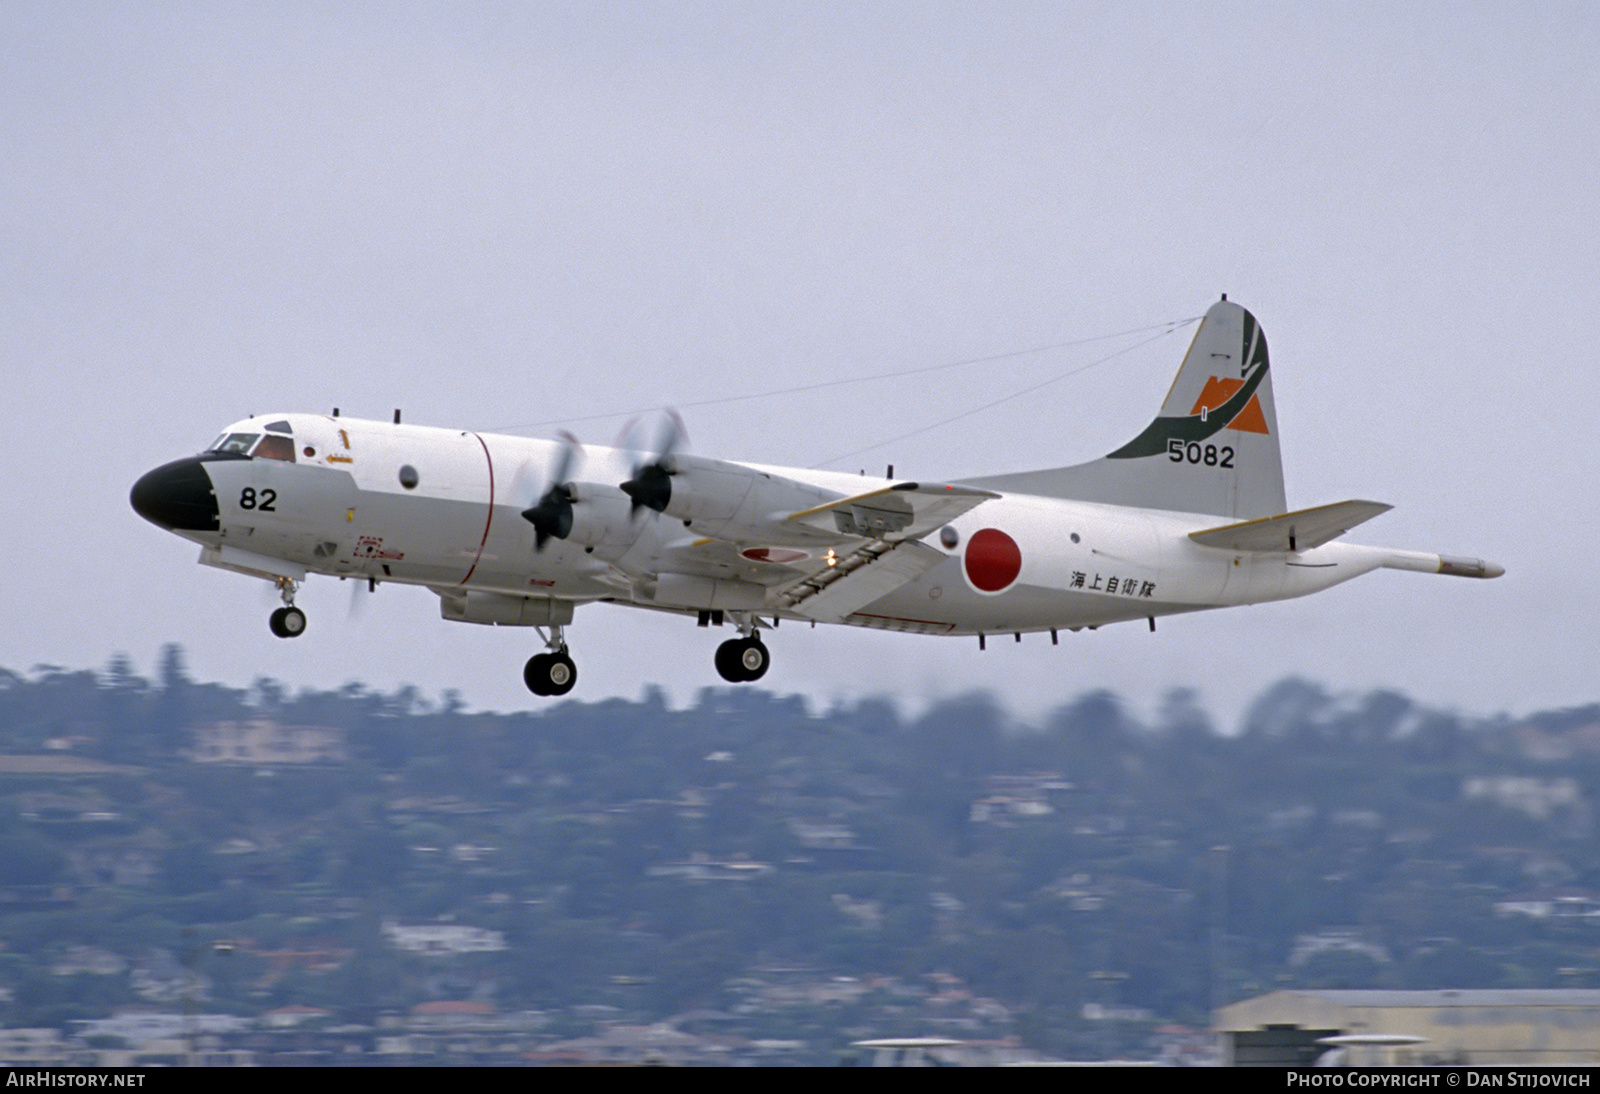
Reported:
(741, 504)
(501, 610)
(601, 512)
(705, 593)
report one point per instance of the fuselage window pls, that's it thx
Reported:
(234, 442)
(274, 447)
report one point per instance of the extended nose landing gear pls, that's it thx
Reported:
(551, 673)
(288, 621)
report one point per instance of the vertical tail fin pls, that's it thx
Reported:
(1212, 448)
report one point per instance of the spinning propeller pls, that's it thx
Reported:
(551, 515)
(651, 485)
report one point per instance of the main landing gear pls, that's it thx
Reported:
(743, 659)
(288, 621)
(551, 673)
(740, 660)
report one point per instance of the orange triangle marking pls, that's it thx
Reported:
(1217, 391)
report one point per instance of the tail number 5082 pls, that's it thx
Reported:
(1195, 452)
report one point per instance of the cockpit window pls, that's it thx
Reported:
(274, 447)
(271, 446)
(278, 427)
(238, 443)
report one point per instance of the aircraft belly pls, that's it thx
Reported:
(935, 608)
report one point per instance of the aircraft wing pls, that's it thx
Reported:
(871, 572)
(824, 588)
(890, 520)
(1300, 530)
(871, 551)
(894, 514)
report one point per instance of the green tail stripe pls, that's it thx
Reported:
(1153, 441)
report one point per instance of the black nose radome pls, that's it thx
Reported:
(178, 496)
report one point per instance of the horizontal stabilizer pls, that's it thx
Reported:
(904, 511)
(1297, 531)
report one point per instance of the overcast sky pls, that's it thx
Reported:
(530, 215)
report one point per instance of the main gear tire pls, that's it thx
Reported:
(287, 622)
(743, 660)
(550, 674)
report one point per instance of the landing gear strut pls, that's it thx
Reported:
(288, 621)
(551, 673)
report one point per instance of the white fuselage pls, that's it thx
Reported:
(1190, 514)
(345, 510)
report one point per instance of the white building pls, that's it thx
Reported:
(263, 741)
(442, 939)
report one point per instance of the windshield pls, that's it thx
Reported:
(274, 447)
(271, 446)
(238, 443)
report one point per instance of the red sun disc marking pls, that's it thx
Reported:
(772, 554)
(993, 560)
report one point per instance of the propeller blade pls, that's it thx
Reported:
(551, 515)
(525, 484)
(651, 485)
(361, 590)
(650, 488)
(671, 438)
(629, 436)
(570, 453)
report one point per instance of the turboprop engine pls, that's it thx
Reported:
(586, 513)
(592, 513)
(735, 502)
(744, 505)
